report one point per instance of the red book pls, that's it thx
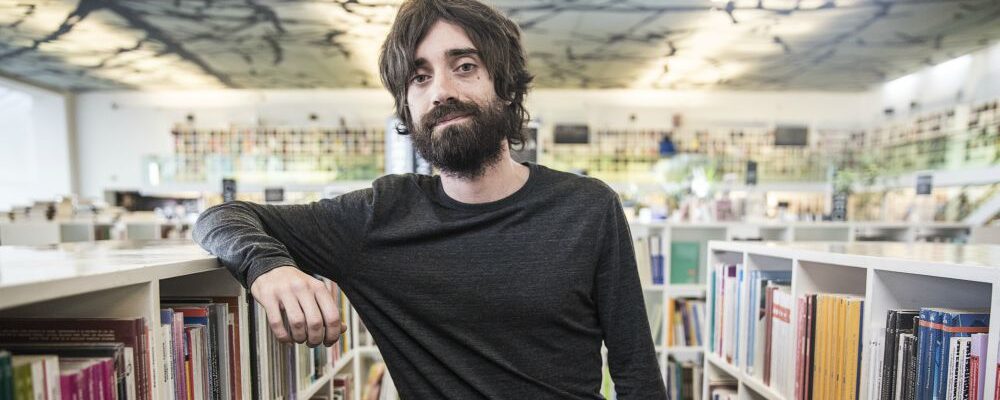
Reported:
(767, 333)
(974, 376)
(180, 377)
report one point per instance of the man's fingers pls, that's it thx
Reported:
(296, 320)
(314, 319)
(274, 321)
(331, 316)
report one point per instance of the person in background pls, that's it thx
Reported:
(495, 279)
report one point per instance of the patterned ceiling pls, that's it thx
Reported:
(682, 44)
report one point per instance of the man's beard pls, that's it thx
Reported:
(467, 148)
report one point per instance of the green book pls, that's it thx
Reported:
(6, 377)
(23, 388)
(685, 257)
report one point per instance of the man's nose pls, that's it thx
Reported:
(443, 88)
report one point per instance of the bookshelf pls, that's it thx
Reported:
(658, 295)
(886, 275)
(128, 279)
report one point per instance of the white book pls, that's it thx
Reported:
(199, 364)
(952, 371)
(875, 372)
(130, 389)
(166, 339)
(962, 378)
(642, 261)
(781, 336)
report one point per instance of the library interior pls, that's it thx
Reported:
(682, 199)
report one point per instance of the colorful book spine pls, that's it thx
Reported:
(954, 323)
(928, 332)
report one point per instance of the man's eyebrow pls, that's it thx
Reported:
(453, 53)
(467, 51)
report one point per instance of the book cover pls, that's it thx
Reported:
(911, 354)
(642, 260)
(810, 355)
(685, 259)
(800, 345)
(928, 332)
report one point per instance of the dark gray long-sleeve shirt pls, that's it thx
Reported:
(503, 300)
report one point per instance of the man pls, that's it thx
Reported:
(494, 280)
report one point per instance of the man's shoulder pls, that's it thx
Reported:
(577, 186)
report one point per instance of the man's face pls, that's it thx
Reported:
(458, 121)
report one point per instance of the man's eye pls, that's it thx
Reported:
(420, 79)
(467, 67)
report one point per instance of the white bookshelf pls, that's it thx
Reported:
(703, 233)
(887, 275)
(126, 280)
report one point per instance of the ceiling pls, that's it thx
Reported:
(839, 45)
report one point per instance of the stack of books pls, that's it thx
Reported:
(684, 379)
(827, 349)
(686, 322)
(931, 353)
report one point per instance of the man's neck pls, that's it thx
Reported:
(499, 181)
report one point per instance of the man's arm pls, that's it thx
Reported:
(265, 246)
(622, 312)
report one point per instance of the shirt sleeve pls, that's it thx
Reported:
(319, 238)
(622, 312)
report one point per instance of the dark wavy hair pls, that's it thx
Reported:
(497, 38)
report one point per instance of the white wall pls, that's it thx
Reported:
(971, 78)
(34, 145)
(116, 128)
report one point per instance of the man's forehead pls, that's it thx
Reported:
(442, 41)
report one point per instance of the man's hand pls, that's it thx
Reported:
(312, 314)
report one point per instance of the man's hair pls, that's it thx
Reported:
(497, 38)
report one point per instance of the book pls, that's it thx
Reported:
(685, 261)
(908, 372)
(977, 366)
(928, 332)
(656, 259)
(897, 322)
(954, 323)
(6, 376)
(779, 371)
(112, 354)
(756, 311)
(131, 332)
(44, 375)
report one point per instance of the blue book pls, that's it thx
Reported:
(656, 259)
(928, 333)
(954, 323)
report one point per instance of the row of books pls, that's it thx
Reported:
(111, 358)
(684, 379)
(686, 322)
(200, 349)
(827, 351)
(930, 354)
(685, 259)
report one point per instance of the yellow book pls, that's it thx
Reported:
(838, 360)
(670, 322)
(853, 337)
(819, 357)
